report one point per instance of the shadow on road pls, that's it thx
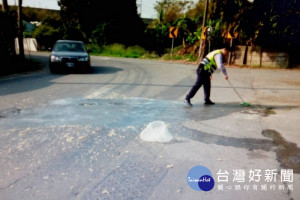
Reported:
(105, 70)
(30, 81)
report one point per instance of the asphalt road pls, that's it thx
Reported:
(77, 136)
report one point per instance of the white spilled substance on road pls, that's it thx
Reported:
(156, 131)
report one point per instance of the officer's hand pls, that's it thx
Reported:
(226, 77)
(210, 77)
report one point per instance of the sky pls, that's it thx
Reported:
(147, 9)
(49, 4)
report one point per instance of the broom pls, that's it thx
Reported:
(244, 103)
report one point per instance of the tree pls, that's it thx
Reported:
(157, 34)
(119, 23)
(196, 12)
(277, 23)
(230, 12)
(270, 23)
(8, 32)
(37, 14)
(172, 9)
(47, 33)
(170, 13)
(186, 27)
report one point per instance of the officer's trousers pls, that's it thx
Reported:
(203, 78)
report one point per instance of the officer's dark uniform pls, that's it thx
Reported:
(204, 71)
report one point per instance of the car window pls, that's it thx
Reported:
(69, 46)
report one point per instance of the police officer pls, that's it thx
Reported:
(208, 65)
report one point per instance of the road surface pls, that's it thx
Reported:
(77, 136)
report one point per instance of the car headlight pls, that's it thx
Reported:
(55, 58)
(83, 59)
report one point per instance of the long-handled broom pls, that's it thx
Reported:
(244, 103)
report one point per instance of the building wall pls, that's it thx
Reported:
(255, 56)
(30, 44)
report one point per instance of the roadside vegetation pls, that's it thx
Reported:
(112, 30)
(120, 50)
(117, 50)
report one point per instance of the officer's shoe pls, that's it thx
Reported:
(209, 102)
(188, 102)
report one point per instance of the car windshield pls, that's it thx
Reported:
(69, 46)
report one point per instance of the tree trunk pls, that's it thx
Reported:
(4, 6)
(20, 23)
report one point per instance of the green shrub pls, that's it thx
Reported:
(120, 50)
(135, 52)
(94, 49)
(151, 55)
(185, 57)
(117, 50)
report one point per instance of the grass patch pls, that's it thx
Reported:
(185, 57)
(151, 55)
(118, 50)
(93, 49)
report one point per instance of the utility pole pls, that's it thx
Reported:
(203, 45)
(4, 6)
(205, 13)
(20, 27)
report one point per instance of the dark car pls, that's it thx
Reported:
(69, 55)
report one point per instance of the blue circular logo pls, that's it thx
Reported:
(200, 178)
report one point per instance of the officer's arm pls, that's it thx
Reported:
(219, 62)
